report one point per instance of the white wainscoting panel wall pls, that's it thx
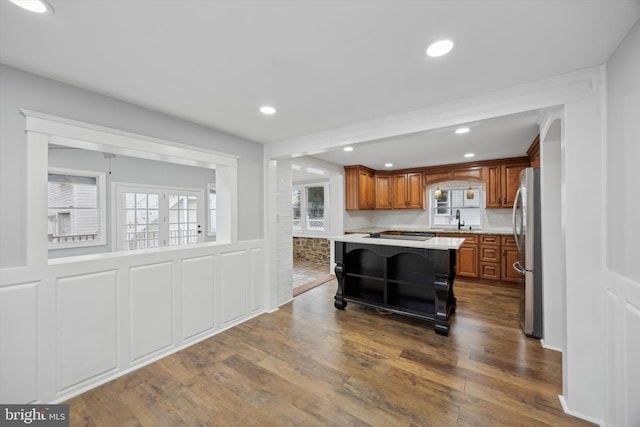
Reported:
(234, 296)
(86, 325)
(19, 342)
(79, 322)
(151, 309)
(197, 296)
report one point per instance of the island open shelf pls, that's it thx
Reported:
(412, 281)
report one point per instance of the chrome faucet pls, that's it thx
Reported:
(458, 218)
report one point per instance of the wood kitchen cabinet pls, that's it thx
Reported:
(467, 255)
(509, 256)
(384, 191)
(534, 152)
(489, 254)
(359, 188)
(408, 191)
(502, 182)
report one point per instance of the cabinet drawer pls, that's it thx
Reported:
(490, 270)
(508, 241)
(490, 253)
(489, 239)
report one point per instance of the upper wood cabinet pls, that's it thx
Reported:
(360, 188)
(384, 186)
(502, 182)
(408, 191)
(534, 152)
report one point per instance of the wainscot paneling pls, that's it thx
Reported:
(151, 309)
(197, 295)
(19, 341)
(257, 282)
(76, 323)
(631, 363)
(85, 327)
(235, 286)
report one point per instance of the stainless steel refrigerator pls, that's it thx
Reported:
(526, 230)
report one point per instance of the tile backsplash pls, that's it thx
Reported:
(416, 218)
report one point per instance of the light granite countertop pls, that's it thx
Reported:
(440, 243)
(501, 231)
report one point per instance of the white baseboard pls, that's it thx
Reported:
(568, 411)
(550, 347)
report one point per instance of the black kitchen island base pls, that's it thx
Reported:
(410, 281)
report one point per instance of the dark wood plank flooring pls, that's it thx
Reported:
(309, 364)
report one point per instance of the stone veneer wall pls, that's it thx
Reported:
(312, 249)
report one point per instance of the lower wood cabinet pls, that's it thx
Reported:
(467, 255)
(489, 247)
(486, 257)
(509, 256)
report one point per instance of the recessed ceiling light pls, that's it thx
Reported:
(469, 155)
(37, 6)
(388, 165)
(462, 130)
(267, 109)
(439, 48)
(348, 148)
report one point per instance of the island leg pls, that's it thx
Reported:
(442, 300)
(339, 301)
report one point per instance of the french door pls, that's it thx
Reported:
(151, 217)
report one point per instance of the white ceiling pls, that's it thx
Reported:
(322, 64)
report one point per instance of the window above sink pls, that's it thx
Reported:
(442, 210)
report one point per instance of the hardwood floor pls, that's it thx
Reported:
(309, 364)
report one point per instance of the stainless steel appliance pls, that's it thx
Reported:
(526, 230)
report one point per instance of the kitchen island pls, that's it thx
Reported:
(408, 276)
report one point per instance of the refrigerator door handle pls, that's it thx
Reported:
(518, 267)
(513, 219)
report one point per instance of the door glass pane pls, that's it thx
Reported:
(315, 208)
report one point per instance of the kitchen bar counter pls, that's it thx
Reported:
(498, 231)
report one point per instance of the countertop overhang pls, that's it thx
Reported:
(440, 243)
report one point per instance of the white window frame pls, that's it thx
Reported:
(304, 231)
(433, 205)
(211, 228)
(118, 190)
(101, 238)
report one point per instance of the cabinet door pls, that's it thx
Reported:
(510, 255)
(415, 191)
(400, 191)
(493, 187)
(366, 197)
(383, 192)
(352, 190)
(510, 183)
(467, 261)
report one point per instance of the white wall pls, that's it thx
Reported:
(622, 278)
(24, 90)
(553, 257)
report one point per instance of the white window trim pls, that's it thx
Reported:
(102, 208)
(479, 193)
(327, 209)
(210, 232)
(117, 224)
